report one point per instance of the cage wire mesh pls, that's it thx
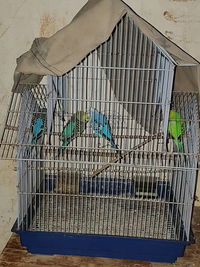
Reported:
(145, 188)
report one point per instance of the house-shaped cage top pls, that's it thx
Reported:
(95, 146)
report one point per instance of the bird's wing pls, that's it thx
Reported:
(37, 127)
(101, 125)
(68, 130)
(80, 126)
(98, 131)
(108, 135)
(98, 117)
(177, 129)
(96, 125)
(107, 131)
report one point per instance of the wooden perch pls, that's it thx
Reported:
(104, 167)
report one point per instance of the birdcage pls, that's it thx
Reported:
(131, 199)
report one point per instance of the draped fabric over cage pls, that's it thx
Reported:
(91, 27)
(121, 179)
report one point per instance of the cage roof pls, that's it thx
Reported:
(91, 27)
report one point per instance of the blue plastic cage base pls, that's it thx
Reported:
(154, 250)
(158, 249)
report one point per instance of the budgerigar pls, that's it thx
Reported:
(74, 128)
(39, 126)
(101, 127)
(176, 128)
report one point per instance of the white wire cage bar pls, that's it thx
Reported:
(146, 192)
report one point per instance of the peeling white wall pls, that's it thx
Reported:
(20, 22)
(179, 20)
(23, 20)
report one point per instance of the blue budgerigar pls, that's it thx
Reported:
(39, 126)
(101, 127)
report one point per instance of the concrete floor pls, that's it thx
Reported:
(14, 255)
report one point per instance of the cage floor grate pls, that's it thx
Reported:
(103, 216)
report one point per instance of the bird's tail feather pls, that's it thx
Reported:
(179, 145)
(116, 147)
(113, 145)
(60, 149)
(33, 141)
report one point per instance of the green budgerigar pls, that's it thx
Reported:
(74, 128)
(176, 128)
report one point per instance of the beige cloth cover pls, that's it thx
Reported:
(90, 27)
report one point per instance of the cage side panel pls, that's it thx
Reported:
(10, 128)
(29, 171)
(184, 180)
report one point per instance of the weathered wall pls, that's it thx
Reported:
(179, 20)
(20, 22)
(23, 20)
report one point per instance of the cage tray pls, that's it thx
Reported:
(67, 232)
(50, 243)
